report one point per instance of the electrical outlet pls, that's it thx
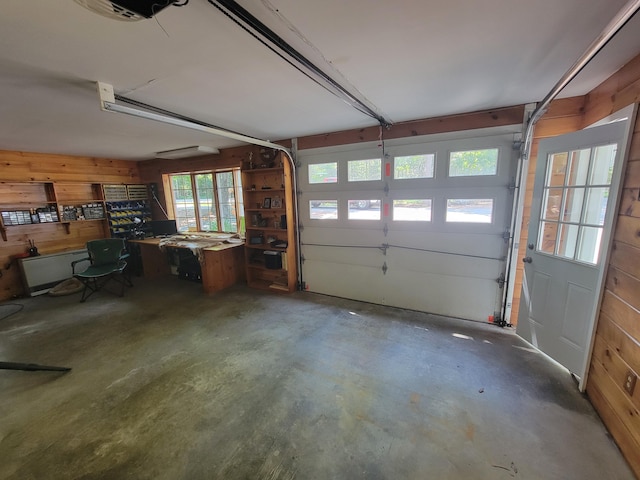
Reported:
(630, 382)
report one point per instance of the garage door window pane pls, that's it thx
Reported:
(365, 170)
(412, 210)
(364, 209)
(323, 172)
(469, 210)
(473, 163)
(323, 209)
(413, 166)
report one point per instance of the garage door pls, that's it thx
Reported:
(417, 224)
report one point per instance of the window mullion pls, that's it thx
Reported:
(196, 199)
(236, 193)
(216, 200)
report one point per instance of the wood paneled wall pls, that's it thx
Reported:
(616, 352)
(68, 173)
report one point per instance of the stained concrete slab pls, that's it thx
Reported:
(170, 383)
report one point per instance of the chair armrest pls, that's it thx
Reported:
(73, 264)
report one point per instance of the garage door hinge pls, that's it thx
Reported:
(516, 145)
(302, 259)
(501, 280)
(384, 268)
(385, 230)
(300, 227)
(506, 236)
(386, 188)
(384, 247)
(512, 185)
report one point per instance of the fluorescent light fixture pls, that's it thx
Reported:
(187, 152)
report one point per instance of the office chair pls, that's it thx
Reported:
(108, 262)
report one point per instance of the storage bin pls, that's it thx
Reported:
(272, 260)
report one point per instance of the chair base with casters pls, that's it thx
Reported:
(107, 257)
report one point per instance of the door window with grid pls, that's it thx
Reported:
(574, 202)
(208, 201)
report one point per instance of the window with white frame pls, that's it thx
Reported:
(574, 202)
(208, 201)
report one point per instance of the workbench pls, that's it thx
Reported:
(222, 265)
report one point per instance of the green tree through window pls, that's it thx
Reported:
(473, 163)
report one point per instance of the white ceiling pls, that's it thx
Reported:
(410, 59)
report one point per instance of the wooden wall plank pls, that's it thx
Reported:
(618, 340)
(622, 314)
(619, 430)
(617, 369)
(626, 96)
(623, 285)
(628, 230)
(606, 98)
(625, 258)
(618, 399)
(552, 127)
(453, 123)
(632, 174)
(26, 166)
(630, 202)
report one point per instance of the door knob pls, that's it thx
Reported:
(531, 246)
(527, 260)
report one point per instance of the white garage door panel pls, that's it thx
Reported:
(491, 245)
(447, 268)
(437, 294)
(364, 283)
(435, 263)
(344, 256)
(342, 236)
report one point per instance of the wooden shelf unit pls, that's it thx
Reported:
(67, 204)
(268, 225)
(21, 204)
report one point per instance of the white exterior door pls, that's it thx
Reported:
(574, 197)
(419, 225)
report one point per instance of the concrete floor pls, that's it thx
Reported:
(169, 383)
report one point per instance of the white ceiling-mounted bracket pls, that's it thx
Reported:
(105, 92)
